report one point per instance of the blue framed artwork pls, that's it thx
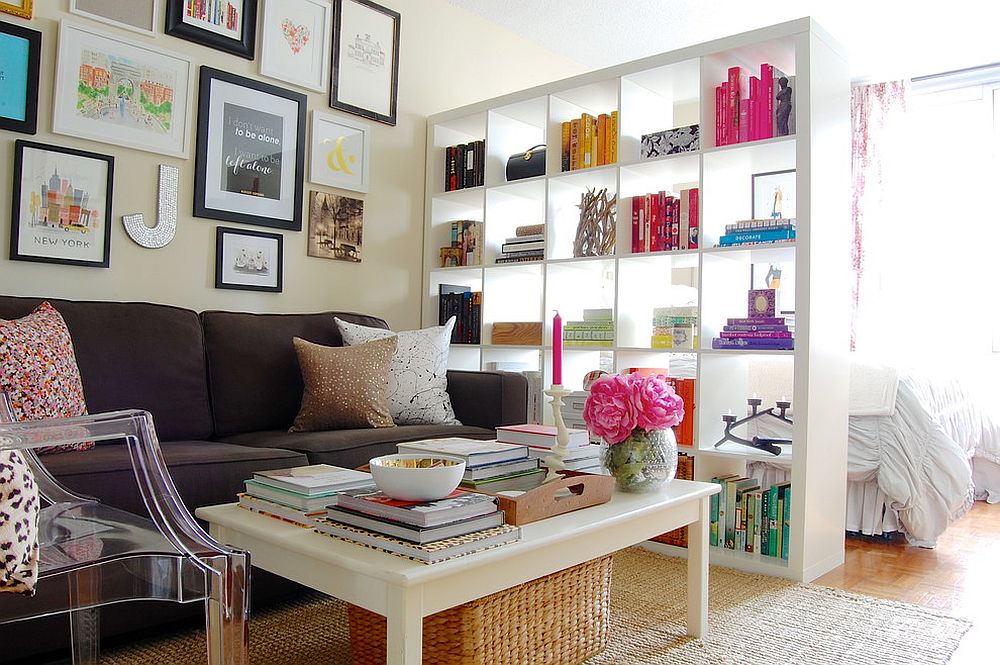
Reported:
(21, 50)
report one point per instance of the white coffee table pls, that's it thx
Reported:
(405, 591)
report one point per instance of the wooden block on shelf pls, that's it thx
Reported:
(526, 333)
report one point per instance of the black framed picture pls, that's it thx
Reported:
(365, 69)
(250, 159)
(248, 260)
(773, 195)
(226, 25)
(21, 49)
(61, 205)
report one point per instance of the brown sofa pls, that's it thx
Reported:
(223, 388)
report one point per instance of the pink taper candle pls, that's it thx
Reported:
(557, 344)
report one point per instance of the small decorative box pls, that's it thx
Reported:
(760, 303)
(669, 141)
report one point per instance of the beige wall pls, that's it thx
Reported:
(448, 57)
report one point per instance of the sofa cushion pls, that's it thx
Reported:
(353, 447)
(344, 385)
(205, 472)
(137, 356)
(253, 372)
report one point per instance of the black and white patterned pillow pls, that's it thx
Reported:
(18, 525)
(417, 387)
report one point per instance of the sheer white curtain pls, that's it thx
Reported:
(926, 215)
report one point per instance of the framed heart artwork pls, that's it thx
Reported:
(296, 36)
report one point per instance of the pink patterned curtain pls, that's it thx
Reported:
(878, 119)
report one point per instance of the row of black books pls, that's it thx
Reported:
(746, 517)
(466, 306)
(463, 165)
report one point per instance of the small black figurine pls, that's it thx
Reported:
(784, 107)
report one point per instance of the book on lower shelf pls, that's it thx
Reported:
(541, 436)
(434, 552)
(457, 505)
(475, 452)
(410, 532)
(279, 511)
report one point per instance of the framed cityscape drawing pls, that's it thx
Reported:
(136, 15)
(19, 78)
(250, 157)
(341, 151)
(248, 260)
(61, 205)
(226, 25)
(365, 60)
(114, 90)
(335, 227)
(21, 8)
(295, 42)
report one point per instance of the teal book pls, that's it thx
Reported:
(732, 494)
(713, 517)
(723, 503)
(786, 521)
(772, 522)
(765, 530)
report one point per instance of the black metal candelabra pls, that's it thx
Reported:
(767, 444)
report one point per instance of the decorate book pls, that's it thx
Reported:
(439, 550)
(456, 506)
(475, 453)
(314, 479)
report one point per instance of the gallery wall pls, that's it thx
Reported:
(448, 57)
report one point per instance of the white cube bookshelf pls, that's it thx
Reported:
(652, 94)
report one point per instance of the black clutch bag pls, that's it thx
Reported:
(526, 164)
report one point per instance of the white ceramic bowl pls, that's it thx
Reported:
(417, 477)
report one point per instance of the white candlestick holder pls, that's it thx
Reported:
(556, 460)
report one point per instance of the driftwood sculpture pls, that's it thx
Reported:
(595, 236)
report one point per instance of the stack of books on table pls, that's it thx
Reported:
(582, 455)
(300, 494)
(489, 466)
(461, 523)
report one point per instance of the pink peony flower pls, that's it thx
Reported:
(658, 405)
(617, 405)
(610, 411)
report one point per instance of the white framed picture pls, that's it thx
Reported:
(341, 152)
(296, 36)
(114, 90)
(773, 195)
(136, 15)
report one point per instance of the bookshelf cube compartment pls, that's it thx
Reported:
(512, 360)
(657, 99)
(508, 207)
(515, 292)
(648, 282)
(564, 198)
(466, 277)
(513, 129)
(677, 363)
(454, 132)
(727, 183)
(463, 357)
(576, 363)
(574, 286)
(671, 174)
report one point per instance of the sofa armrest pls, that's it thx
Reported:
(488, 399)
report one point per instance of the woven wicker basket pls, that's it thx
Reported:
(558, 619)
(685, 471)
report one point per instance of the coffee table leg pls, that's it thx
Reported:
(697, 614)
(405, 626)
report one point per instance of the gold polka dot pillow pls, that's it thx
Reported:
(38, 370)
(344, 386)
(418, 376)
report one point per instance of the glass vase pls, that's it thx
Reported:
(644, 461)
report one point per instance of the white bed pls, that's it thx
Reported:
(921, 446)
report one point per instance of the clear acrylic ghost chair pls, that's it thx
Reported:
(93, 555)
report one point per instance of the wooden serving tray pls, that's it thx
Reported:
(548, 499)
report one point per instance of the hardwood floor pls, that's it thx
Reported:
(960, 576)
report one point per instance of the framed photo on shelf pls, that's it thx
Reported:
(365, 60)
(136, 15)
(233, 28)
(335, 227)
(114, 90)
(341, 150)
(250, 157)
(19, 78)
(295, 42)
(61, 205)
(248, 260)
(773, 195)
(21, 8)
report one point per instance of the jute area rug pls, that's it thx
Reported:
(754, 619)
